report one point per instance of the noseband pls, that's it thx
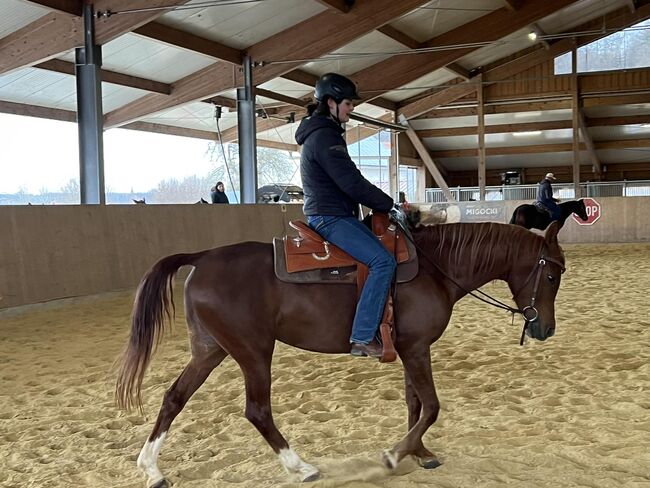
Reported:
(529, 312)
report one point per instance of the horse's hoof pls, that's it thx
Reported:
(311, 477)
(389, 459)
(161, 484)
(429, 463)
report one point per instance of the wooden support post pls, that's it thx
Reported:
(481, 138)
(428, 161)
(421, 188)
(393, 163)
(589, 143)
(575, 112)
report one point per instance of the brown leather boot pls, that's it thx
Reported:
(373, 349)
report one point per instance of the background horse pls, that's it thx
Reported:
(231, 317)
(530, 217)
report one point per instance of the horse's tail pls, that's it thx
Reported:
(154, 301)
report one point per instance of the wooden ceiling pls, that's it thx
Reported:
(518, 83)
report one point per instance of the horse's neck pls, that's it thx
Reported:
(472, 260)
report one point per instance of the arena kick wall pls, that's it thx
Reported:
(51, 252)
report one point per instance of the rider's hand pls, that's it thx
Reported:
(397, 215)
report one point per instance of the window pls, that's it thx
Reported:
(371, 155)
(627, 49)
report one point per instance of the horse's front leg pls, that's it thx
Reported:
(423, 408)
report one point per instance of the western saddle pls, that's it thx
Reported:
(308, 251)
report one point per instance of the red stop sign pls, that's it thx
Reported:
(593, 212)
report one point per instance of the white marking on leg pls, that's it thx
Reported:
(148, 459)
(293, 464)
(389, 458)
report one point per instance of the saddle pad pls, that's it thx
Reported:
(340, 275)
(335, 275)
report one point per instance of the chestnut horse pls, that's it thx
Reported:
(246, 313)
(531, 217)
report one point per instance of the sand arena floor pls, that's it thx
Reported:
(574, 411)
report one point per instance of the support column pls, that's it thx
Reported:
(393, 163)
(575, 112)
(247, 135)
(481, 138)
(90, 117)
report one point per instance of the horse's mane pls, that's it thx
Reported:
(479, 247)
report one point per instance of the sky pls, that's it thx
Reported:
(38, 154)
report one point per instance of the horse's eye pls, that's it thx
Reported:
(551, 278)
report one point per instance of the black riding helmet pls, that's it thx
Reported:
(336, 86)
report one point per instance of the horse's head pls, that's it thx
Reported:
(581, 210)
(535, 285)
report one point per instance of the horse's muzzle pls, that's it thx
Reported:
(536, 331)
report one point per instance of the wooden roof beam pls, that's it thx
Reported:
(296, 102)
(541, 148)
(528, 126)
(185, 40)
(458, 70)
(400, 70)
(399, 36)
(300, 76)
(172, 130)
(284, 146)
(411, 43)
(57, 33)
(312, 38)
(69, 7)
(113, 77)
(510, 68)
(222, 101)
(36, 111)
(512, 5)
(261, 125)
(305, 78)
(341, 6)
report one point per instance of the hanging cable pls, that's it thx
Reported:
(217, 116)
(194, 6)
(284, 189)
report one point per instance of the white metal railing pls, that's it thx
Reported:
(563, 191)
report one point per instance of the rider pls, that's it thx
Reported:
(545, 197)
(334, 188)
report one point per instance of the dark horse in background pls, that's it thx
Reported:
(245, 315)
(532, 217)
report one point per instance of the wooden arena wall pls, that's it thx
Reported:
(51, 252)
(622, 219)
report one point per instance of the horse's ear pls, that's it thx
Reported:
(551, 233)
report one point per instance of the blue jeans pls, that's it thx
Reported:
(554, 208)
(359, 242)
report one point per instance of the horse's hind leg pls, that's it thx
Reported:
(256, 367)
(206, 356)
(417, 366)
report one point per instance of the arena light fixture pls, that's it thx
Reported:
(532, 36)
(527, 133)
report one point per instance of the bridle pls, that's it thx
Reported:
(529, 312)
